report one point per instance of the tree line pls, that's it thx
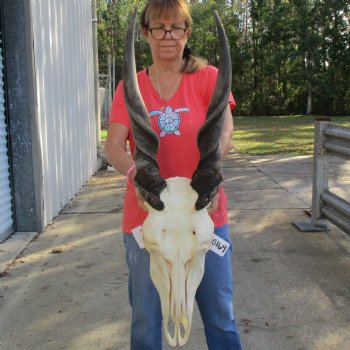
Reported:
(288, 56)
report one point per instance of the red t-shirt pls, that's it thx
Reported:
(177, 124)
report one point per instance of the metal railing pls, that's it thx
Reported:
(330, 140)
(107, 85)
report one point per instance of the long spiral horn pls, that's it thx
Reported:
(207, 178)
(147, 180)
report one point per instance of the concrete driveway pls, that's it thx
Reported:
(68, 288)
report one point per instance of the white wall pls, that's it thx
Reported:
(63, 57)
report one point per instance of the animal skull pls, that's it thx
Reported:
(177, 239)
(178, 230)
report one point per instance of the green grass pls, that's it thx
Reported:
(282, 135)
(277, 135)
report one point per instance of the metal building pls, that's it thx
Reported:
(48, 123)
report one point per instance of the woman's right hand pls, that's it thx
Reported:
(140, 200)
(139, 197)
(117, 155)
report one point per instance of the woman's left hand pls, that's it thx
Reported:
(213, 204)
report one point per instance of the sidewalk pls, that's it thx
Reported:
(68, 288)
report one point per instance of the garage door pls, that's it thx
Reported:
(6, 217)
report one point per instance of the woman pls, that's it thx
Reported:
(179, 83)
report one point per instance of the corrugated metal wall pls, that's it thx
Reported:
(63, 55)
(6, 219)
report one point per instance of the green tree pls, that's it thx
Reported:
(288, 56)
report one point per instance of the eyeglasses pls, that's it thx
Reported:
(175, 33)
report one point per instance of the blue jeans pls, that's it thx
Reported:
(214, 299)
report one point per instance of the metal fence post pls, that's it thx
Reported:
(330, 140)
(320, 173)
(110, 93)
(320, 180)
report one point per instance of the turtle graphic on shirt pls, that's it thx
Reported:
(169, 120)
